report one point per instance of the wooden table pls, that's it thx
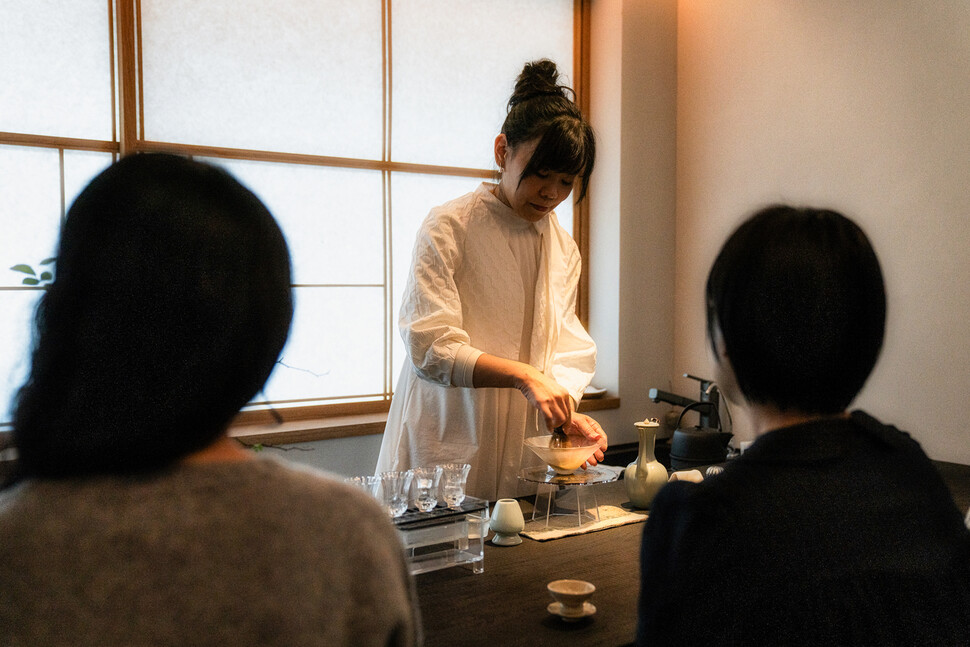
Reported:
(506, 605)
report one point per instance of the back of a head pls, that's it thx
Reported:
(540, 107)
(169, 309)
(798, 296)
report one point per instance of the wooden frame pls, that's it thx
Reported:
(581, 63)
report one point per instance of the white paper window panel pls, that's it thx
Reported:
(332, 218)
(454, 68)
(16, 317)
(335, 347)
(30, 202)
(301, 77)
(55, 68)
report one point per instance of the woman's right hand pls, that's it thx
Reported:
(544, 393)
(548, 396)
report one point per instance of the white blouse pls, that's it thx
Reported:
(483, 280)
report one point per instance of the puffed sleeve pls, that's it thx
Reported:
(431, 318)
(574, 357)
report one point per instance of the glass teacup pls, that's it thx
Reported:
(453, 478)
(369, 484)
(425, 483)
(395, 487)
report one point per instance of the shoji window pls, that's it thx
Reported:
(349, 118)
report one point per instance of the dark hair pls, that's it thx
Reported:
(542, 108)
(170, 306)
(799, 298)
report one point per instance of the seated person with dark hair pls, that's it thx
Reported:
(135, 518)
(832, 528)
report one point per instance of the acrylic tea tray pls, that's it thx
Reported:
(445, 537)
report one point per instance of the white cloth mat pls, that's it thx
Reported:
(610, 517)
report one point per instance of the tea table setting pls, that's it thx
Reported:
(575, 577)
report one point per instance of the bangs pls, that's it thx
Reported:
(563, 148)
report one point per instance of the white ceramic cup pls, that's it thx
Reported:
(572, 595)
(507, 522)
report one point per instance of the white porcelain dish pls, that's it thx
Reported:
(567, 614)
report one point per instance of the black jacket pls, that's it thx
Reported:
(833, 532)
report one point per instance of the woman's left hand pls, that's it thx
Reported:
(582, 425)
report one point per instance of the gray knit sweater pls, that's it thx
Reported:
(246, 553)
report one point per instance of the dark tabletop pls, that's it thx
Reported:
(506, 605)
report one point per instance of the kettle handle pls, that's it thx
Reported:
(694, 405)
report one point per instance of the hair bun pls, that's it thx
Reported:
(538, 78)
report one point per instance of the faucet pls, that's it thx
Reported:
(708, 393)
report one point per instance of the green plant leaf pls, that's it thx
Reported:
(30, 281)
(46, 276)
(26, 269)
(48, 261)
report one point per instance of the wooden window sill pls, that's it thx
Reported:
(365, 424)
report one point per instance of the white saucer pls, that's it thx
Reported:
(556, 608)
(591, 392)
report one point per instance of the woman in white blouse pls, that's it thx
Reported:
(496, 351)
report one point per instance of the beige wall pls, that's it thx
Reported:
(633, 111)
(862, 106)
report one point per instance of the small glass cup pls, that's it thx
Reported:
(425, 483)
(368, 484)
(453, 478)
(395, 487)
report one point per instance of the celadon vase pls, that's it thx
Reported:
(646, 475)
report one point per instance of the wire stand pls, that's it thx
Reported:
(555, 492)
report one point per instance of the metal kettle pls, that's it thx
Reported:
(693, 447)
